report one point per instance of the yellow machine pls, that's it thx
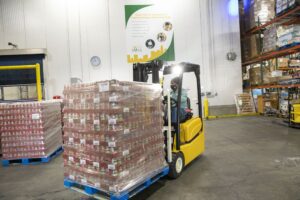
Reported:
(295, 115)
(294, 107)
(184, 139)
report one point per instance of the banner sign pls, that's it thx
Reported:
(149, 33)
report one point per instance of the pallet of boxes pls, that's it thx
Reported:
(113, 137)
(31, 132)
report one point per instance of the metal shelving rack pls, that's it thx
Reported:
(292, 16)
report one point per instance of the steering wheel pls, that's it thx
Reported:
(172, 100)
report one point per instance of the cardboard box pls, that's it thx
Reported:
(251, 47)
(260, 104)
(270, 39)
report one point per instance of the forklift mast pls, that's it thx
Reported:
(141, 71)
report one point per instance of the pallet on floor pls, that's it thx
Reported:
(98, 194)
(32, 161)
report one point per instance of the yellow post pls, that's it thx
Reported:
(38, 76)
(206, 108)
(38, 82)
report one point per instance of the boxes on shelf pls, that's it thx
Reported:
(251, 47)
(276, 73)
(294, 63)
(284, 5)
(270, 39)
(283, 63)
(255, 76)
(272, 96)
(271, 103)
(258, 12)
(256, 79)
(30, 130)
(288, 35)
(293, 3)
(281, 6)
(113, 134)
(289, 81)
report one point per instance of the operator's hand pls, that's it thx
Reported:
(165, 100)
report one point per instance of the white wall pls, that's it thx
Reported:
(73, 31)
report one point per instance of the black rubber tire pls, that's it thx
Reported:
(173, 174)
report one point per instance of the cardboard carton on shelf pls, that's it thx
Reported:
(270, 39)
(251, 47)
(294, 63)
(258, 12)
(283, 63)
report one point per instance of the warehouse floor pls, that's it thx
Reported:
(246, 158)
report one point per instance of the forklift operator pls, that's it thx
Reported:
(184, 101)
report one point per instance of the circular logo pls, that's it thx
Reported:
(150, 44)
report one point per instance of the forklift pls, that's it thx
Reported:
(184, 138)
(294, 107)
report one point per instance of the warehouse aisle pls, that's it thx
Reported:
(246, 158)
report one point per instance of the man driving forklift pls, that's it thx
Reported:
(184, 98)
(184, 134)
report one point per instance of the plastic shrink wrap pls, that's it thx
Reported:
(258, 12)
(112, 134)
(31, 129)
(270, 39)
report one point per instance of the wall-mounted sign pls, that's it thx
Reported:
(149, 33)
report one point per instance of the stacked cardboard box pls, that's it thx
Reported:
(281, 6)
(294, 63)
(271, 105)
(288, 35)
(251, 47)
(30, 130)
(284, 5)
(258, 12)
(283, 63)
(270, 39)
(267, 77)
(255, 76)
(113, 134)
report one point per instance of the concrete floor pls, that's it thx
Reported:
(246, 158)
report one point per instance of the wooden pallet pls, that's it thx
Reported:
(244, 103)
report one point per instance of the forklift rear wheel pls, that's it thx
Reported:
(176, 166)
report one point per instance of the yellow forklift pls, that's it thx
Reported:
(294, 107)
(184, 138)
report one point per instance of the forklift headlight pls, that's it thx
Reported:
(177, 70)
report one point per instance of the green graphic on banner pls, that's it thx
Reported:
(130, 9)
(169, 55)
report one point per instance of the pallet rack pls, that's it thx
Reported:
(288, 17)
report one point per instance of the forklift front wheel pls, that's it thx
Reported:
(176, 166)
